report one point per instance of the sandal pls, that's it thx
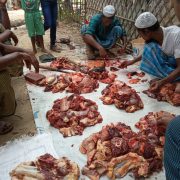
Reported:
(5, 127)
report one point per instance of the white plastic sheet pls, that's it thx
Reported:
(24, 149)
(69, 147)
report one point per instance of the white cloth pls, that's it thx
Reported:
(145, 20)
(171, 41)
(109, 11)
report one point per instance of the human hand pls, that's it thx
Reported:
(155, 86)
(14, 38)
(102, 52)
(125, 64)
(30, 60)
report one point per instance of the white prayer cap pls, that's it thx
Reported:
(145, 20)
(109, 11)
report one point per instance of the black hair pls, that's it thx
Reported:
(153, 28)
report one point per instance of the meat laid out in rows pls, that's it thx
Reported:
(71, 115)
(166, 93)
(136, 77)
(104, 77)
(117, 150)
(122, 96)
(46, 167)
(114, 63)
(78, 83)
(63, 63)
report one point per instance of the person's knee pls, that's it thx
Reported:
(118, 30)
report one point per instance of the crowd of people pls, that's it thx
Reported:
(160, 58)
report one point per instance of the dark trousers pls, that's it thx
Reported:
(50, 11)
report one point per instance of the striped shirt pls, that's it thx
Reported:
(172, 150)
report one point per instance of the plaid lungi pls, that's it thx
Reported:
(156, 62)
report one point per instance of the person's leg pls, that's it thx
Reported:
(54, 13)
(172, 150)
(33, 41)
(46, 9)
(41, 43)
(112, 37)
(155, 62)
(5, 18)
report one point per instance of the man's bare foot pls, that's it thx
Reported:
(177, 90)
(45, 51)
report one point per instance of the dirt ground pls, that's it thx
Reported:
(23, 119)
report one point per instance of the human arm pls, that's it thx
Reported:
(8, 34)
(89, 39)
(3, 1)
(12, 54)
(6, 49)
(123, 37)
(90, 33)
(171, 77)
(128, 63)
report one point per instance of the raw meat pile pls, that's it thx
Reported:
(166, 93)
(71, 115)
(116, 149)
(104, 77)
(138, 77)
(122, 96)
(46, 167)
(63, 63)
(72, 82)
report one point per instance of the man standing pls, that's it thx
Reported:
(8, 55)
(103, 32)
(50, 12)
(4, 15)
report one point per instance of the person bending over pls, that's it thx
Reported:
(161, 55)
(103, 32)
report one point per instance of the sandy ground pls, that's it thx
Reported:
(64, 30)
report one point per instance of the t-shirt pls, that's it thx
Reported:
(30, 5)
(171, 41)
(96, 27)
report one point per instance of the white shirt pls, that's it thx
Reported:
(171, 41)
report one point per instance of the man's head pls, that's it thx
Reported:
(176, 5)
(108, 15)
(147, 25)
